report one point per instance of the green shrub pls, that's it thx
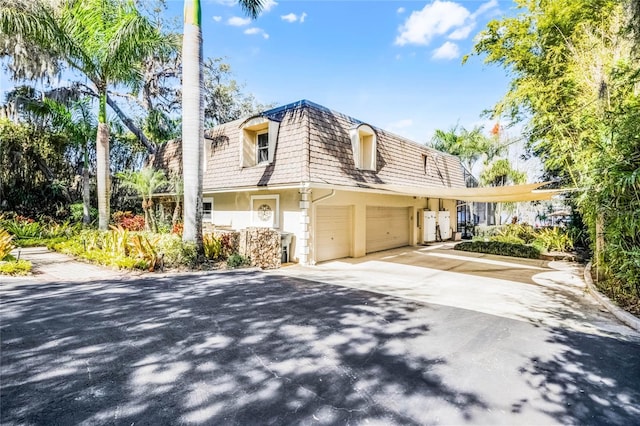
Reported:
(212, 246)
(77, 212)
(15, 267)
(176, 252)
(237, 261)
(514, 232)
(6, 245)
(57, 230)
(511, 239)
(554, 239)
(21, 227)
(499, 248)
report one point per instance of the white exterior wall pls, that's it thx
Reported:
(233, 211)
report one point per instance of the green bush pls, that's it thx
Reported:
(6, 244)
(554, 239)
(237, 261)
(523, 232)
(176, 252)
(15, 267)
(77, 211)
(22, 228)
(499, 248)
(511, 239)
(212, 246)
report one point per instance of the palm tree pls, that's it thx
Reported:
(193, 115)
(104, 40)
(73, 115)
(468, 145)
(145, 182)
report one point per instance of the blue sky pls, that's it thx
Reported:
(393, 64)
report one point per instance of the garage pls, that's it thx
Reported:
(333, 232)
(387, 228)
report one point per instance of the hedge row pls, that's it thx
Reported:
(499, 248)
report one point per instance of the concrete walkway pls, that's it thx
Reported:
(52, 266)
(545, 293)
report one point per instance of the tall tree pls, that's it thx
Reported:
(193, 115)
(575, 80)
(75, 117)
(145, 182)
(468, 145)
(104, 40)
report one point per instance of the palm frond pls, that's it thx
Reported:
(251, 7)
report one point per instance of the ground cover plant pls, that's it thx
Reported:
(519, 240)
(8, 264)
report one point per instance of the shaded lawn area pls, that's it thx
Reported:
(247, 348)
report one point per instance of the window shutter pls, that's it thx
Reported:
(274, 128)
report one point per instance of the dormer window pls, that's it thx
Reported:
(363, 144)
(263, 147)
(258, 137)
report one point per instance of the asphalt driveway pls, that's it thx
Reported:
(275, 348)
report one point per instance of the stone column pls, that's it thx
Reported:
(304, 240)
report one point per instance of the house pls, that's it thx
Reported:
(326, 178)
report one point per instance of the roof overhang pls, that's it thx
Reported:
(494, 194)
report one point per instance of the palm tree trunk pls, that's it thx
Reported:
(86, 189)
(176, 213)
(192, 123)
(102, 166)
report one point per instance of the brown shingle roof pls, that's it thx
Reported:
(314, 146)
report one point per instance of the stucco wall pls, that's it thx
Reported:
(359, 202)
(234, 211)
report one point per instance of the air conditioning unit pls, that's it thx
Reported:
(428, 226)
(444, 223)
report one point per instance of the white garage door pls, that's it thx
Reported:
(387, 228)
(333, 232)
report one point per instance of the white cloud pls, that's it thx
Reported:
(434, 19)
(448, 50)
(237, 21)
(462, 32)
(256, 31)
(217, 18)
(292, 17)
(400, 10)
(439, 18)
(267, 5)
(485, 7)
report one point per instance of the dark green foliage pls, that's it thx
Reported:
(237, 261)
(499, 248)
(575, 81)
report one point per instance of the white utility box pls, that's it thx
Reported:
(444, 223)
(428, 226)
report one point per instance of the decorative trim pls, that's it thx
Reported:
(276, 211)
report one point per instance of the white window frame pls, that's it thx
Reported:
(207, 200)
(357, 135)
(248, 141)
(276, 213)
(265, 149)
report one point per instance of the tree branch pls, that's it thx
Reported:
(151, 147)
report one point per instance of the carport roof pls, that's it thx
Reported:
(494, 194)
